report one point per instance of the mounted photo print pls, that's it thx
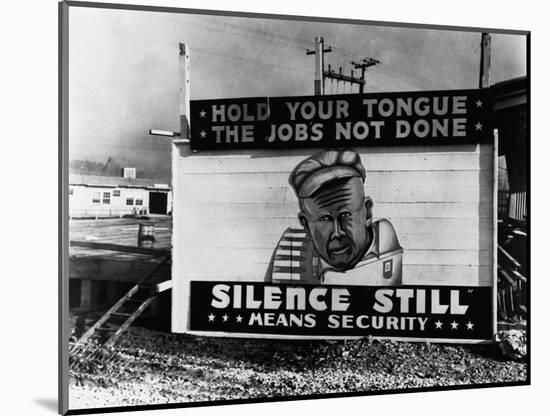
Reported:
(262, 207)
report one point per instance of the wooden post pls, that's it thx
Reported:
(485, 61)
(184, 91)
(495, 230)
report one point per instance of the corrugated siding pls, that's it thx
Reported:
(230, 209)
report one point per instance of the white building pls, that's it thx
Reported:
(107, 196)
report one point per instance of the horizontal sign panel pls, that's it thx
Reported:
(438, 312)
(405, 118)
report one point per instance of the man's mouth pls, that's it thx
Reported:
(338, 251)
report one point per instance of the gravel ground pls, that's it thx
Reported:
(150, 367)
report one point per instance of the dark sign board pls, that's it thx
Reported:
(426, 312)
(404, 118)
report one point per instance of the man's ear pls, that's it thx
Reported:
(368, 206)
(303, 220)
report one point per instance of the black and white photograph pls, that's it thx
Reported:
(266, 207)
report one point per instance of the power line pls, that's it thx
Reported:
(241, 58)
(306, 42)
(395, 69)
(268, 36)
(348, 54)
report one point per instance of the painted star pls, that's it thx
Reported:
(225, 318)
(203, 134)
(470, 325)
(211, 318)
(203, 114)
(479, 103)
(438, 324)
(479, 126)
(454, 325)
(239, 318)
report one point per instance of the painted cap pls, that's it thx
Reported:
(326, 166)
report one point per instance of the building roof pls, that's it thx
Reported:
(509, 93)
(117, 182)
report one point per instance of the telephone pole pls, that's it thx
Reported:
(363, 65)
(319, 52)
(321, 74)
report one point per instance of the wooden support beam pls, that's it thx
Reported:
(155, 252)
(485, 64)
(163, 286)
(184, 71)
(342, 77)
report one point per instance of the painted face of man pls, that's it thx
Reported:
(336, 219)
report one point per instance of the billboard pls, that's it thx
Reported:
(337, 216)
(435, 117)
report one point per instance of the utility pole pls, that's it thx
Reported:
(319, 52)
(363, 65)
(485, 61)
(321, 74)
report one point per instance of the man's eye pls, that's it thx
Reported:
(345, 214)
(325, 218)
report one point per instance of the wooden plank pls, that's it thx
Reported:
(456, 241)
(195, 227)
(508, 257)
(448, 275)
(412, 274)
(216, 180)
(448, 257)
(386, 210)
(382, 150)
(163, 286)
(126, 249)
(415, 257)
(241, 272)
(389, 162)
(395, 193)
(218, 241)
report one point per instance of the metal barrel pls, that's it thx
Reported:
(146, 235)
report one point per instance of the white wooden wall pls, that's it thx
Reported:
(80, 202)
(230, 209)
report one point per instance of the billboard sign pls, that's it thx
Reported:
(337, 216)
(435, 117)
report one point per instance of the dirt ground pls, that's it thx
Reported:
(151, 367)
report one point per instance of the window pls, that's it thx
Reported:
(95, 197)
(129, 201)
(106, 197)
(139, 201)
(116, 192)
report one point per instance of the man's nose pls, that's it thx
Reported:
(337, 231)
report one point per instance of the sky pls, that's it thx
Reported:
(123, 70)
